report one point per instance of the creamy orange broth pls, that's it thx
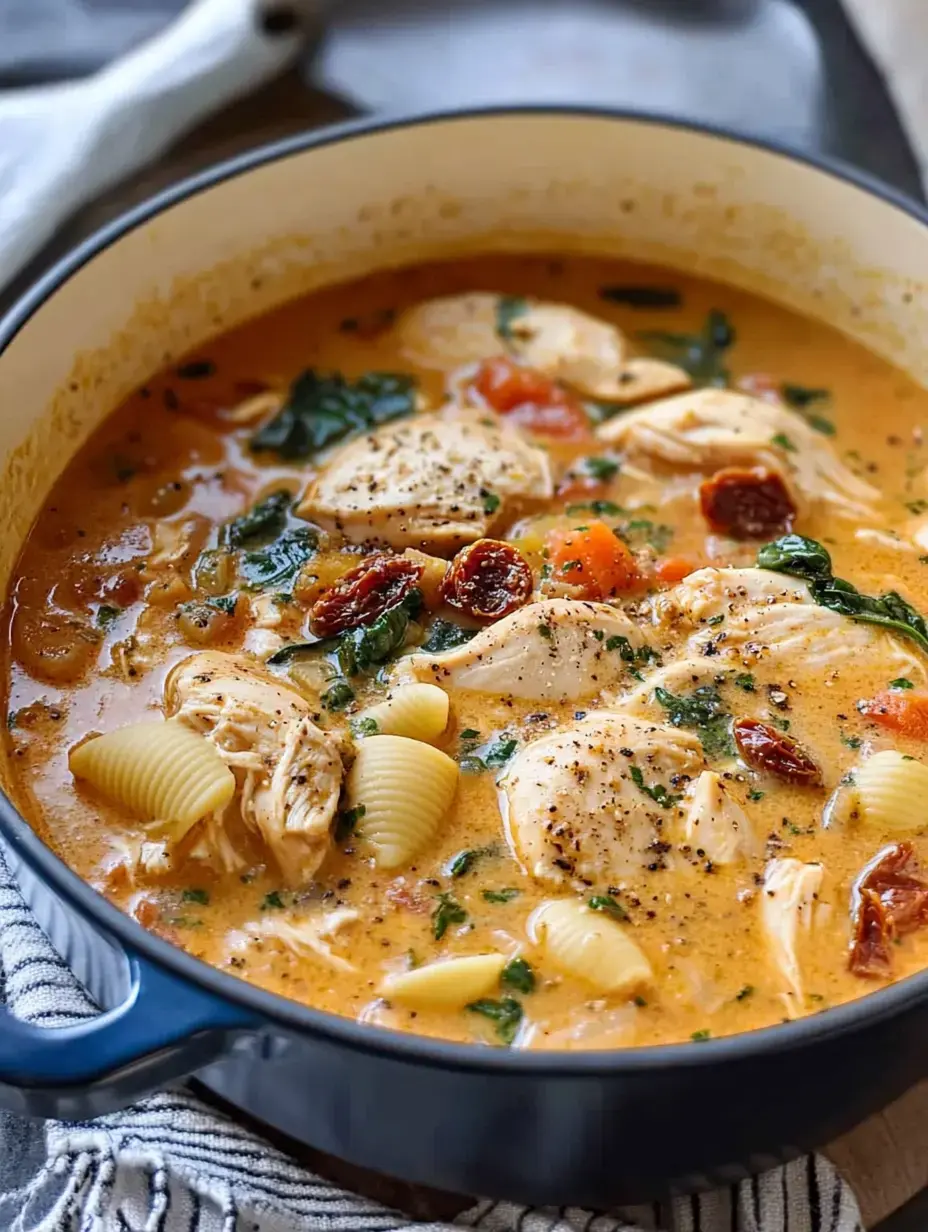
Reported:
(171, 453)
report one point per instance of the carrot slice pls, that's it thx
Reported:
(591, 558)
(673, 569)
(902, 711)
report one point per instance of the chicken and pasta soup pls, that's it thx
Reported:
(523, 651)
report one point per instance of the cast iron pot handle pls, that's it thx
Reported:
(166, 1028)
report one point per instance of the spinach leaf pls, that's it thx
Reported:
(106, 614)
(322, 409)
(445, 635)
(499, 752)
(337, 696)
(295, 650)
(505, 1014)
(362, 648)
(518, 975)
(805, 558)
(703, 711)
(600, 467)
(276, 565)
(268, 517)
(195, 896)
(508, 309)
(506, 895)
(605, 508)
(448, 911)
(796, 556)
(364, 727)
(702, 354)
(464, 861)
(641, 531)
(642, 296)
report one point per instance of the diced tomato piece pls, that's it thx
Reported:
(591, 558)
(531, 399)
(901, 711)
(673, 569)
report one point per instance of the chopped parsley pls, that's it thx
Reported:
(546, 631)
(601, 468)
(506, 895)
(491, 502)
(642, 531)
(783, 441)
(658, 792)
(347, 820)
(745, 681)
(464, 861)
(518, 975)
(608, 905)
(505, 1014)
(901, 683)
(755, 794)
(447, 912)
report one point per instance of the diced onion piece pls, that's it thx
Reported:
(448, 984)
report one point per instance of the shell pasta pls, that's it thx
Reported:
(521, 650)
(163, 772)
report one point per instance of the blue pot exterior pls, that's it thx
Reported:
(590, 1129)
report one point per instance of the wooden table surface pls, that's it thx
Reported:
(885, 1158)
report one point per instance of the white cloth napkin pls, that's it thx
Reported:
(172, 1164)
(63, 145)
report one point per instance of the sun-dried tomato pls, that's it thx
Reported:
(888, 900)
(747, 503)
(765, 748)
(530, 399)
(363, 594)
(488, 579)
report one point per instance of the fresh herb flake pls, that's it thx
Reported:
(508, 309)
(445, 635)
(608, 905)
(505, 1014)
(447, 912)
(506, 895)
(196, 896)
(657, 792)
(518, 975)
(106, 615)
(702, 355)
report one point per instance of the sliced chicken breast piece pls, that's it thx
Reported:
(430, 481)
(788, 900)
(715, 823)
(561, 341)
(755, 615)
(706, 430)
(586, 805)
(288, 771)
(556, 650)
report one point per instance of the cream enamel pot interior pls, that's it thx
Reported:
(589, 1128)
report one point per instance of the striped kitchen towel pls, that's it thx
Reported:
(173, 1164)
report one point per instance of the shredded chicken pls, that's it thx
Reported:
(309, 937)
(556, 650)
(788, 902)
(587, 804)
(706, 430)
(556, 339)
(715, 824)
(431, 481)
(288, 771)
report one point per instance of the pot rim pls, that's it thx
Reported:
(863, 1011)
